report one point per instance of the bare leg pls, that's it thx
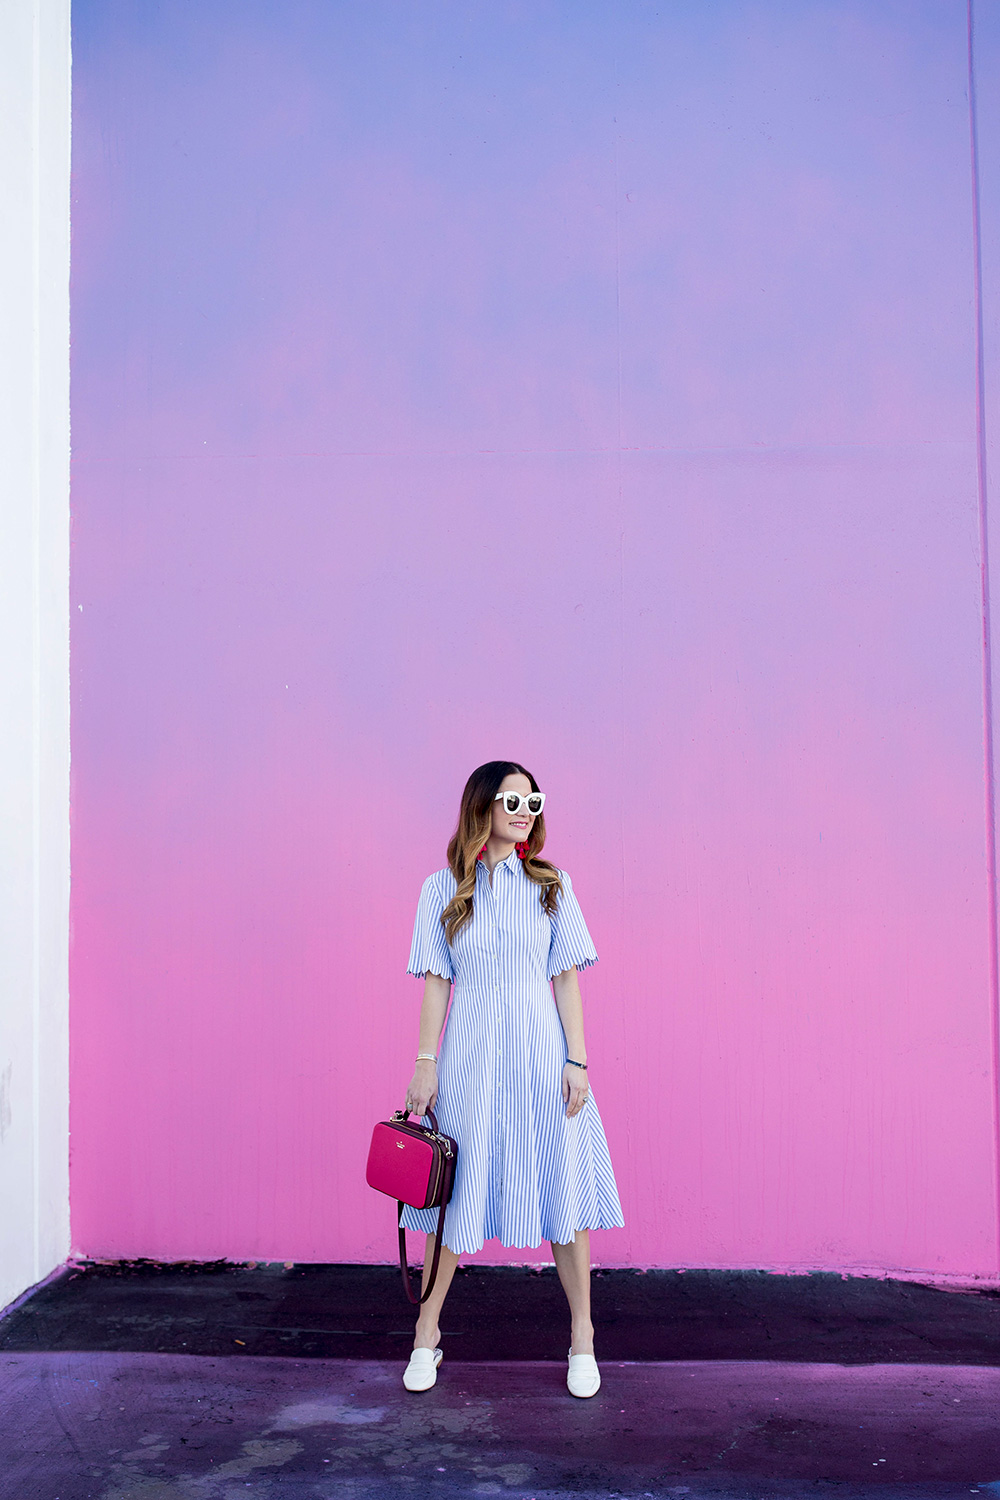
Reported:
(428, 1332)
(573, 1264)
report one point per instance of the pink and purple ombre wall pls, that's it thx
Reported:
(591, 384)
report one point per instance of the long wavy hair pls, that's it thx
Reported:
(475, 819)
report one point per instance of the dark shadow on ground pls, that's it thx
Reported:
(505, 1313)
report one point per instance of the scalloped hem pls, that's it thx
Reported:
(579, 964)
(614, 1223)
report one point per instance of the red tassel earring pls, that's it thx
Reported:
(521, 850)
(481, 852)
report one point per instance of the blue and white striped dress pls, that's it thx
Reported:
(526, 1173)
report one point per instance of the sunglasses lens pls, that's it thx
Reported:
(535, 805)
(512, 802)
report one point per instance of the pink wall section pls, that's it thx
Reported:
(593, 385)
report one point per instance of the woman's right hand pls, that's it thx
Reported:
(422, 1092)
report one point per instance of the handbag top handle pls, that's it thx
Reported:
(403, 1115)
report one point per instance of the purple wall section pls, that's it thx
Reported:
(594, 385)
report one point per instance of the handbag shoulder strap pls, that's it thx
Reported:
(434, 1262)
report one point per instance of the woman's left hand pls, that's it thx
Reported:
(575, 1088)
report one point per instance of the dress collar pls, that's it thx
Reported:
(510, 863)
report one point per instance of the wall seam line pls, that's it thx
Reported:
(987, 652)
(36, 630)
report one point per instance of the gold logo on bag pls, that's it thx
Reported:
(401, 1145)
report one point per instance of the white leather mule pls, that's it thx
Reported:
(583, 1377)
(422, 1371)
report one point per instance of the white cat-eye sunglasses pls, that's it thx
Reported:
(513, 802)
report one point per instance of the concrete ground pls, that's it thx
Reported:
(103, 1426)
(193, 1382)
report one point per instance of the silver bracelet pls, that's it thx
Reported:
(426, 1057)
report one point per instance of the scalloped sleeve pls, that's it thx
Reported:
(429, 951)
(570, 943)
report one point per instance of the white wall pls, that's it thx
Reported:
(34, 639)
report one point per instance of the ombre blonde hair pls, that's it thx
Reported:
(475, 820)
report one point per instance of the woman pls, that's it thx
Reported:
(509, 1082)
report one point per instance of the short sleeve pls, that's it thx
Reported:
(570, 943)
(429, 953)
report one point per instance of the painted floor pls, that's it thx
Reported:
(139, 1426)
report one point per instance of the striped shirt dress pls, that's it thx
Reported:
(526, 1173)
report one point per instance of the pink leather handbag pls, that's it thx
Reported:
(413, 1164)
